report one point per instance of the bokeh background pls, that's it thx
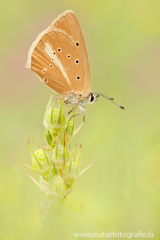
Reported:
(121, 191)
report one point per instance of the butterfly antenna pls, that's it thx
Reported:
(110, 99)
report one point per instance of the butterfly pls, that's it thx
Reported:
(59, 57)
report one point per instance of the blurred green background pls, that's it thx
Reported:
(121, 191)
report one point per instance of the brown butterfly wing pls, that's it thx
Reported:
(57, 61)
(69, 23)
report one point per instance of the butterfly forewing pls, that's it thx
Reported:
(58, 62)
(69, 23)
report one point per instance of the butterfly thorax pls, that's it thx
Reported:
(76, 99)
(80, 99)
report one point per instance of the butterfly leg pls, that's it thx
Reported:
(83, 109)
(72, 109)
(57, 97)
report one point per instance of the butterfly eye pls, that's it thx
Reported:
(50, 65)
(68, 56)
(52, 59)
(77, 43)
(78, 77)
(59, 49)
(77, 61)
(54, 53)
(45, 79)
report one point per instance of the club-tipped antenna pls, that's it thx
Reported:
(110, 99)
